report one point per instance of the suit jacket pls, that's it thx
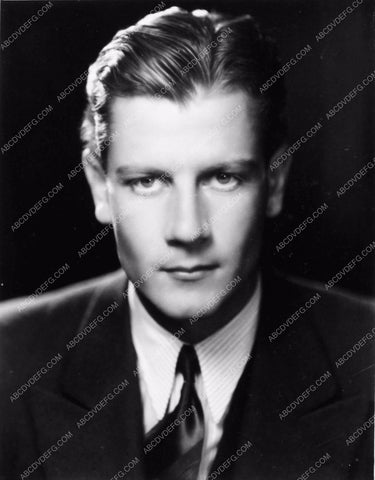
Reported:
(259, 442)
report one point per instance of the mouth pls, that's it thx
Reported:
(195, 272)
(195, 268)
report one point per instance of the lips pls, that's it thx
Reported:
(189, 273)
(192, 269)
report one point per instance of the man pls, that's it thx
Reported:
(176, 370)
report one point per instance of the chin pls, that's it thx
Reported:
(178, 311)
(177, 305)
(193, 311)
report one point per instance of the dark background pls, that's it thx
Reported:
(55, 50)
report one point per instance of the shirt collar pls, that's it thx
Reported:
(222, 356)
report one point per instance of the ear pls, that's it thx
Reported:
(277, 174)
(96, 178)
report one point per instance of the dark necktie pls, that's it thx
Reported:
(177, 439)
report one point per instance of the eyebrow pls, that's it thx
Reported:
(242, 163)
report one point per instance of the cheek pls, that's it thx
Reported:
(138, 241)
(242, 224)
(133, 250)
(139, 220)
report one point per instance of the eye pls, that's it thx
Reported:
(224, 178)
(224, 181)
(146, 182)
(146, 185)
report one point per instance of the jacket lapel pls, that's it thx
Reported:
(275, 376)
(98, 401)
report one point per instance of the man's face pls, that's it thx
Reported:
(187, 191)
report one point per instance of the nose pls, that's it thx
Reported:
(187, 222)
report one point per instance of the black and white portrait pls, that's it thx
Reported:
(187, 223)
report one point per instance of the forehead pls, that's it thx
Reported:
(211, 126)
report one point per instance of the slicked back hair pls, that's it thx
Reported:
(169, 55)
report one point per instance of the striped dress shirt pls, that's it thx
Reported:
(222, 358)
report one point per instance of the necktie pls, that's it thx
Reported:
(177, 439)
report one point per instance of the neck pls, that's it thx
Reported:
(207, 324)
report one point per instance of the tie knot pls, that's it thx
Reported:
(188, 363)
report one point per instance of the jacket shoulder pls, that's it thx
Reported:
(343, 324)
(336, 308)
(42, 327)
(70, 299)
